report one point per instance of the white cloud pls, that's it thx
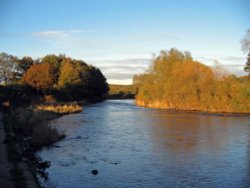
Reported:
(122, 82)
(56, 33)
(122, 71)
(50, 34)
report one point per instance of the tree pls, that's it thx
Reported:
(78, 80)
(247, 67)
(9, 70)
(98, 84)
(73, 80)
(55, 61)
(40, 77)
(246, 48)
(245, 42)
(25, 63)
(176, 81)
(68, 74)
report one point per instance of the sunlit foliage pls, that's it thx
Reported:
(176, 81)
(77, 80)
(40, 77)
(66, 78)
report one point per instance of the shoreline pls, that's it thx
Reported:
(215, 113)
(15, 172)
(19, 154)
(5, 164)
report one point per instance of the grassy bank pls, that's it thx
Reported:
(28, 130)
(20, 172)
(32, 123)
(32, 126)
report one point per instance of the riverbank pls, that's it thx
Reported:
(162, 106)
(5, 165)
(14, 172)
(27, 131)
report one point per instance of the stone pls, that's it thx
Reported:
(94, 172)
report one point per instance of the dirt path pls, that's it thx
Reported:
(5, 166)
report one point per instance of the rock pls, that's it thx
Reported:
(94, 172)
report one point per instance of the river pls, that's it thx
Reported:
(132, 146)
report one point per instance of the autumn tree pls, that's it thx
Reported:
(176, 81)
(78, 80)
(40, 77)
(65, 78)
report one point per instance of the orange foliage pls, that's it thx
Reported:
(176, 81)
(40, 77)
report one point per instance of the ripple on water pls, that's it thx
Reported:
(138, 147)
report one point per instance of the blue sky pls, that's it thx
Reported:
(120, 36)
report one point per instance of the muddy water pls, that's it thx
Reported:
(138, 147)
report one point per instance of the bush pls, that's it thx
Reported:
(33, 126)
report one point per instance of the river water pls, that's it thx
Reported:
(132, 146)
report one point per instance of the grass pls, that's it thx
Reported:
(28, 130)
(60, 108)
(34, 128)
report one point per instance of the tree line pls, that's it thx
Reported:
(121, 91)
(62, 77)
(176, 81)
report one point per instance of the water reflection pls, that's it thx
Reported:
(139, 147)
(189, 132)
